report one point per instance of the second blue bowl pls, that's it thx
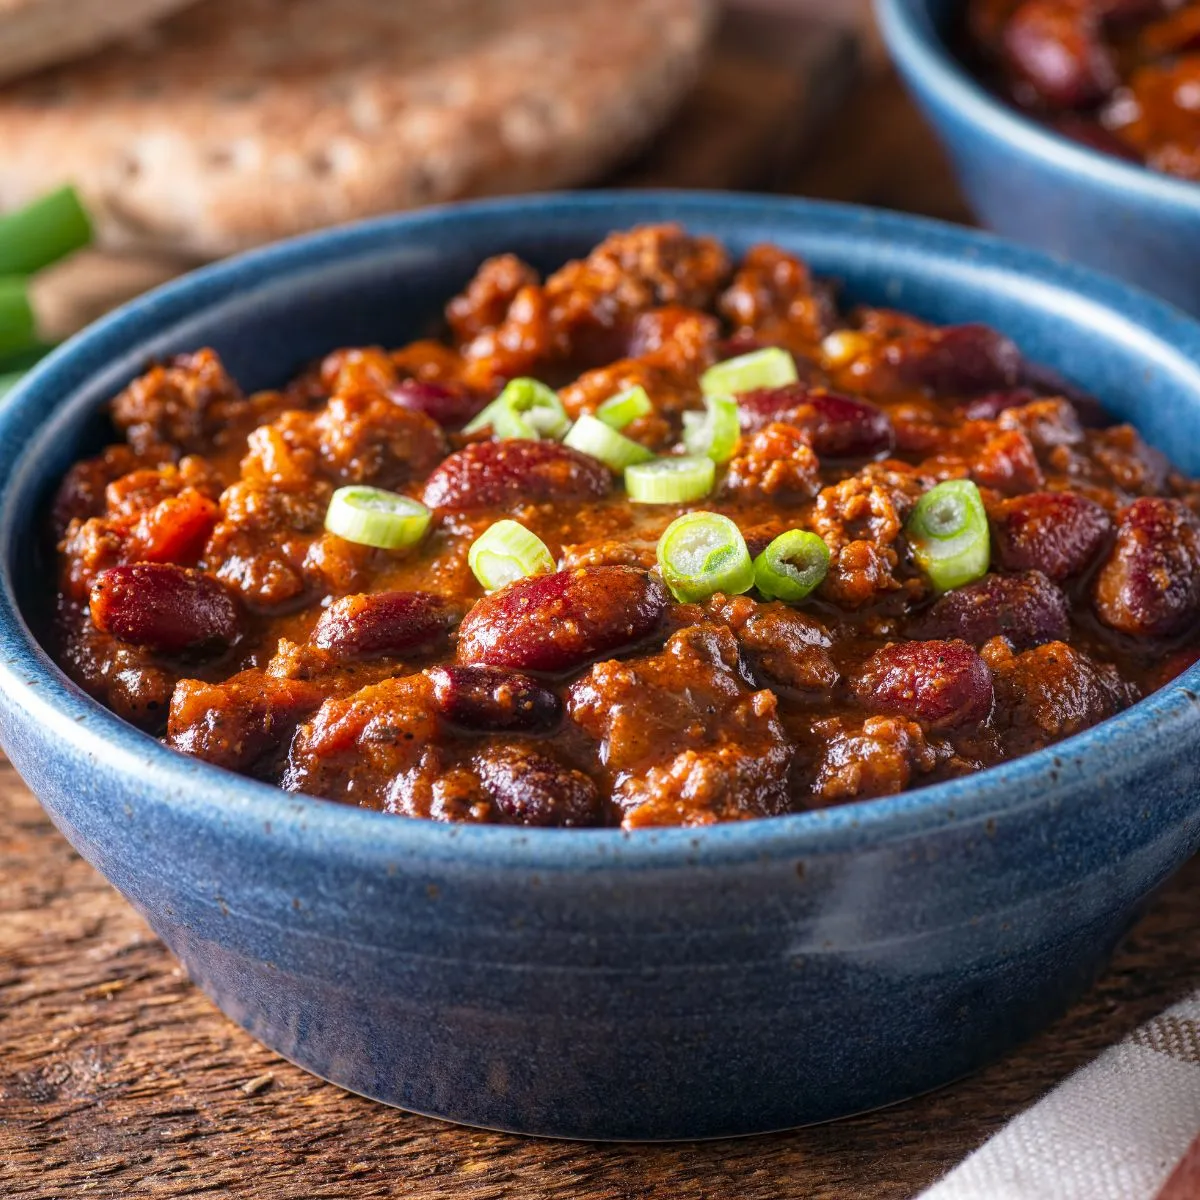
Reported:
(1031, 184)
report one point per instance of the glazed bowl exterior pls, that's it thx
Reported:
(593, 983)
(1033, 185)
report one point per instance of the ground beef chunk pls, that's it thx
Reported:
(782, 645)
(1052, 691)
(489, 296)
(184, 403)
(774, 298)
(777, 462)
(875, 757)
(686, 740)
(861, 519)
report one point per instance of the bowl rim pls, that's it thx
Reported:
(35, 690)
(909, 32)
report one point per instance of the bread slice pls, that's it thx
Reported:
(240, 121)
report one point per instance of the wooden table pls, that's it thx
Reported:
(118, 1079)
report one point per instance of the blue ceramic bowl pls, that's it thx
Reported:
(664, 984)
(1033, 185)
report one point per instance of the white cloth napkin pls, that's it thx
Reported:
(1112, 1131)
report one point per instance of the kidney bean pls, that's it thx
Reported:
(960, 360)
(451, 407)
(379, 623)
(939, 683)
(494, 700)
(1150, 584)
(493, 474)
(1057, 49)
(164, 608)
(529, 788)
(1027, 609)
(838, 426)
(1057, 533)
(560, 622)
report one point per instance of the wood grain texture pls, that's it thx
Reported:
(119, 1079)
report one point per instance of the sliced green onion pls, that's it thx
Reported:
(625, 407)
(592, 436)
(770, 368)
(17, 327)
(372, 517)
(43, 232)
(670, 480)
(714, 432)
(701, 553)
(948, 533)
(525, 409)
(791, 566)
(506, 552)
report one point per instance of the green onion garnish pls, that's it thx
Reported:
(670, 480)
(506, 552)
(948, 533)
(701, 553)
(625, 407)
(17, 327)
(42, 233)
(714, 432)
(372, 517)
(770, 368)
(525, 409)
(615, 450)
(791, 566)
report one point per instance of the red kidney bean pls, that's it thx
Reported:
(1057, 533)
(1058, 50)
(562, 621)
(838, 426)
(960, 360)
(450, 406)
(379, 623)
(1027, 609)
(989, 407)
(494, 700)
(493, 474)
(164, 608)
(939, 683)
(1150, 584)
(529, 788)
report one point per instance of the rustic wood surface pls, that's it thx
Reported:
(119, 1079)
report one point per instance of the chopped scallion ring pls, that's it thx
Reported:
(43, 232)
(591, 436)
(506, 552)
(948, 534)
(625, 407)
(525, 409)
(791, 566)
(715, 432)
(701, 553)
(17, 327)
(770, 368)
(372, 517)
(670, 480)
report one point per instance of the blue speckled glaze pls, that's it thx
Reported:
(669, 984)
(1033, 185)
